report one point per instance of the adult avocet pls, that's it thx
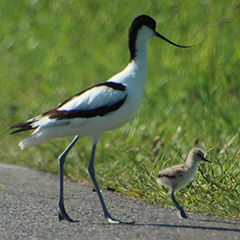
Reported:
(103, 107)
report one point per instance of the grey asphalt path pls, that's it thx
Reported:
(29, 207)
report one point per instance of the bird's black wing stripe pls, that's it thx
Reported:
(100, 111)
(115, 86)
(166, 175)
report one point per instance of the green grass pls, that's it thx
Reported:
(51, 50)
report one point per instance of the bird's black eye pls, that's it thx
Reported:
(199, 155)
(151, 26)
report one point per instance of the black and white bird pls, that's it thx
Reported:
(177, 176)
(103, 107)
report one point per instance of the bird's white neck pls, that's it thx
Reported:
(190, 163)
(141, 48)
(140, 59)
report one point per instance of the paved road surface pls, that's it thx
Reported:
(29, 206)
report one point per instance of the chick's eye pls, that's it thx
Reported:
(199, 155)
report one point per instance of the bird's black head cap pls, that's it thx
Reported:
(141, 20)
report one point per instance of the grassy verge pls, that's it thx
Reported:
(51, 50)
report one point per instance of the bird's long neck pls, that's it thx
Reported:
(138, 53)
(138, 46)
(191, 164)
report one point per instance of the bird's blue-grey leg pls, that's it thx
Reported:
(62, 214)
(183, 214)
(92, 175)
